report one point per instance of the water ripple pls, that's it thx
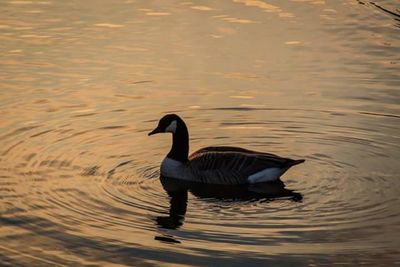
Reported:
(80, 180)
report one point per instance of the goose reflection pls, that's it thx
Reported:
(178, 193)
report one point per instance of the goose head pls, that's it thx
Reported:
(170, 123)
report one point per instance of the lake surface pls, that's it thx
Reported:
(83, 82)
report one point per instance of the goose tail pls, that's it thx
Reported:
(293, 162)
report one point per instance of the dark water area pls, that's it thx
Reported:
(83, 82)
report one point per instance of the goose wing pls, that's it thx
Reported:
(227, 149)
(231, 165)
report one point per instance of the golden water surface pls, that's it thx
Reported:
(82, 82)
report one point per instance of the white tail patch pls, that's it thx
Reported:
(171, 127)
(266, 175)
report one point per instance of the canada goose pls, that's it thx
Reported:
(217, 165)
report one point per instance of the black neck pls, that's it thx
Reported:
(180, 143)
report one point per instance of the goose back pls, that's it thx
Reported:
(232, 165)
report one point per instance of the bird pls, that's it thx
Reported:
(217, 164)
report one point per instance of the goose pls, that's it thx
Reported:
(216, 164)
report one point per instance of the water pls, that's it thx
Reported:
(82, 82)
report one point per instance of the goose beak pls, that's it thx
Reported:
(155, 131)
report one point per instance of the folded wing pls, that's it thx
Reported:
(229, 165)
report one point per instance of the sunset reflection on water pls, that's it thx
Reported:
(82, 82)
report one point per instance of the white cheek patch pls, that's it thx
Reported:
(171, 127)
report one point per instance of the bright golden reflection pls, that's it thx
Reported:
(82, 82)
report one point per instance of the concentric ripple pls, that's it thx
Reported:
(57, 187)
(82, 84)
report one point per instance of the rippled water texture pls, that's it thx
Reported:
(82, 82)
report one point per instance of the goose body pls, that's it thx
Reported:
(217, 164)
